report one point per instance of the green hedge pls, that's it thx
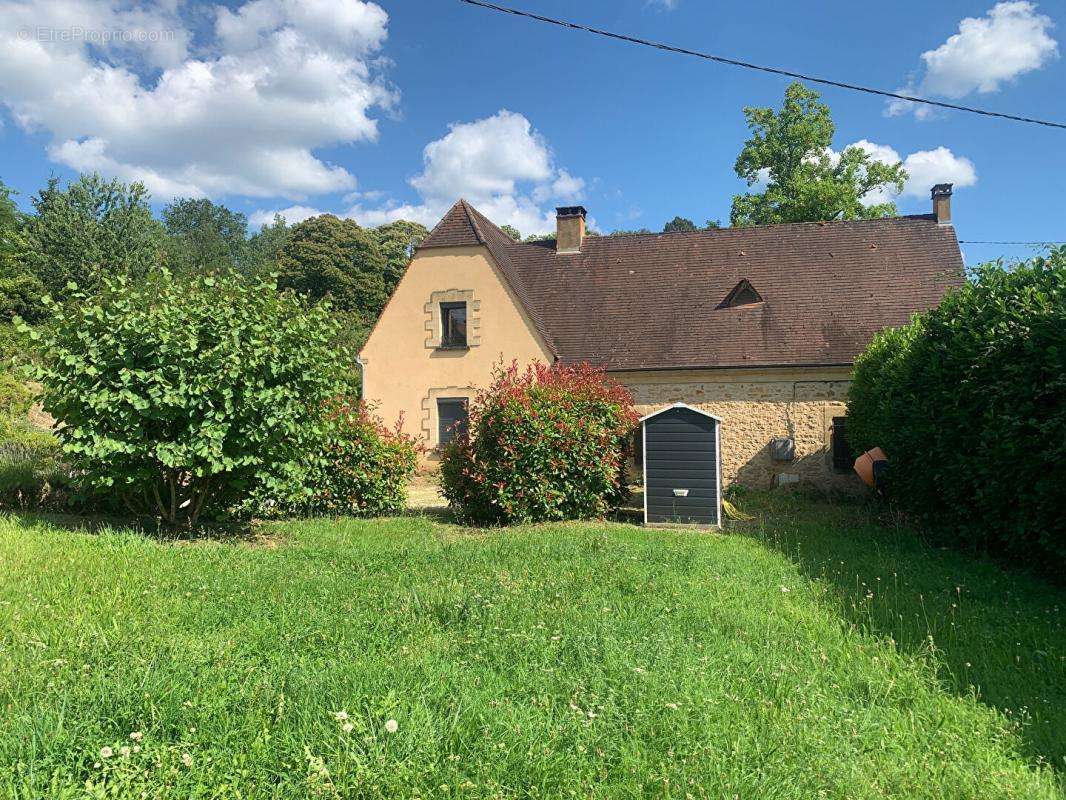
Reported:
(545, 444)
(969, 404)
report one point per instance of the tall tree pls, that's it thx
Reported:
(805, 180)
(330, 257)
(679, 225)
(20, 291)
(512, 231)
(398, 241)
(203, 236)
(266, 246)
(10, 229)
(625, 232)
(91, 228)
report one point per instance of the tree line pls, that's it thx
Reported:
(94, 227)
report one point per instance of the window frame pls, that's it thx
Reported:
(447, 341)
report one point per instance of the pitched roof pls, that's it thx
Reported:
(456, 229)
(654, 301)
(463, 226)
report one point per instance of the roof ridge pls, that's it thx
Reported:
(456, 222)
(499, 247)
(738, 228)
(468, 210)
(440, 221)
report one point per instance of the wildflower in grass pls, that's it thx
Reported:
(106, 752)
(125, 751)
(347, 727)
(186, 759)
(391, 726)
(136, 736)
(340, 716)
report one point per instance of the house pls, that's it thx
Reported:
(758, 326)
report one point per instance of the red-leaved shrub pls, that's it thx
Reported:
(362, 467)
(544, 443)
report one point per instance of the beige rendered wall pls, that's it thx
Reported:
(756, 405)
(404, 370)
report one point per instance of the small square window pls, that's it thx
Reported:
(453, 324)
(451, 418)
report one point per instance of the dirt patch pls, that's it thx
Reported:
(423, 494)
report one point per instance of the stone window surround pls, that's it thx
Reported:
(429, 409)
(473, 316)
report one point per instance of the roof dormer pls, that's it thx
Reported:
(743, 294)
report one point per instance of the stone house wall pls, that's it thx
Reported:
(756, 405)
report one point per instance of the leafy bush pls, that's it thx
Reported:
(544, 444)
(32, 472)
(15, 400)
(362, 468)
(183, 394)
(969, 404)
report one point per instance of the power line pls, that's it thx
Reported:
(1034, 244)
(746, 65)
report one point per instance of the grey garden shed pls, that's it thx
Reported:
(682, 466)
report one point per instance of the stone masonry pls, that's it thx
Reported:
(755, 407)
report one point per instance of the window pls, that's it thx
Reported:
(743, 294)
(453, 324)
(451, 418)
(843, 456)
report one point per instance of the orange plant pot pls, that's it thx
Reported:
(864, 465)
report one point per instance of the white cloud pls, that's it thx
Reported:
(501, 164)
(925, 168)
(564, 188)
(664, 5)
(278, 79)
(1011, 40)
(292, 214)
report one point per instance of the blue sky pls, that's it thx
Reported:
(395, 109)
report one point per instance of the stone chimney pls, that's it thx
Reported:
(942, 203)
(569, 229)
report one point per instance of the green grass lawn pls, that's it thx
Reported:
(584, 660)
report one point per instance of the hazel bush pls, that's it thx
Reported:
(544, 443)
(182, 395)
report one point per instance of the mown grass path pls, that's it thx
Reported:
(584, 660)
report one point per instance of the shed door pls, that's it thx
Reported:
(681, 467)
